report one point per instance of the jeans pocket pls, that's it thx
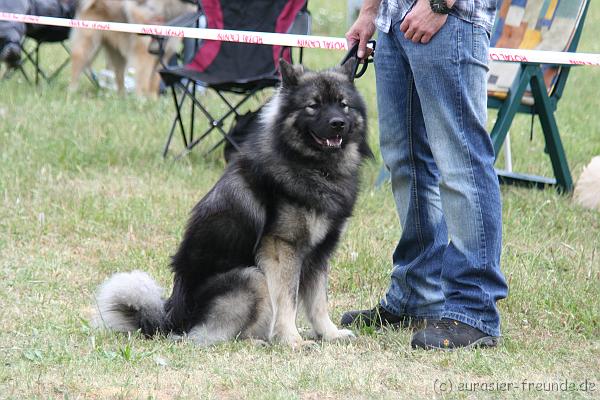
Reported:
(481, 44)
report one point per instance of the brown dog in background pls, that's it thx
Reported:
(124, 49)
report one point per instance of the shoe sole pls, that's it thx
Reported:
(484, 342)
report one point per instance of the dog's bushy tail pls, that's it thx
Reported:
(587, 190)
(130, 301)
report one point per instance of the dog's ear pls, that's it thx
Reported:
(290, 73)
(348, 68)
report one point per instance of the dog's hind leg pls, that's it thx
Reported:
(118, 63)
(313, 292)
(84, 48)
(242, 311)
(145, 65)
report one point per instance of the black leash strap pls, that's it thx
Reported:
(362, 63)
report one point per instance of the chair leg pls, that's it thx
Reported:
(177, 120)
(192, 113)
(92, 77)
(34, 58)
(24, 73)
(507, 112)
(28, 57)
(37, 63)
(554, 145)
(190, 140)
(218, 123)
(62, 65)
(507, 153)
(532, 75)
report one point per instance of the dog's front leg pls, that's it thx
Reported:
(280, 263)
(313, 292)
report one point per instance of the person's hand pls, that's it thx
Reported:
(361, 31)
(421, 23)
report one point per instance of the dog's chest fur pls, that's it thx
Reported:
(304, 227)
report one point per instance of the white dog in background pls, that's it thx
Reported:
(587, 189)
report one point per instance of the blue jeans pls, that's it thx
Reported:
(432, 103)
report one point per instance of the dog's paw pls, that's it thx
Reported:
(258, 342)
(295, 342)
(339, 335)
(305, 345)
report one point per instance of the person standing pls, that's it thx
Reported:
(431, 65)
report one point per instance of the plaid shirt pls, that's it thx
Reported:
(479, 12)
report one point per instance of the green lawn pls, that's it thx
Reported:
(84, 192)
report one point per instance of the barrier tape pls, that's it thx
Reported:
(281, 39)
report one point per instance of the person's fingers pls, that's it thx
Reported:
(362, 46)
(404, 26)
(351, 36)
(426, 38)
(417, 37)
(410, 32)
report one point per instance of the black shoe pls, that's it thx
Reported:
(448, 334)
(378, 317)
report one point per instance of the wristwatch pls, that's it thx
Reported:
(439, 6)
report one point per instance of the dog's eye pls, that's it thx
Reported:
(313, 106)
(343, 103)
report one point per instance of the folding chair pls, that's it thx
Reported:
(33, 56)
(532, 88)
(226, 67)
(41, 35)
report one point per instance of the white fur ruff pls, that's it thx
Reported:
(134, 290)
(587, 190)
(270, 111)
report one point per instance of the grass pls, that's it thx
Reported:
(84, 192)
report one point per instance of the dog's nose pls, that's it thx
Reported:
(337, 124)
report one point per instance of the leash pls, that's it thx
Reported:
(362, 63)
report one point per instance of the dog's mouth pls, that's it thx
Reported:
(333, 142)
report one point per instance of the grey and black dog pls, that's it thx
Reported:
(258, 244)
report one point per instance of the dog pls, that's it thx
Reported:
(258, 244)
(587, 189)
(124, 49)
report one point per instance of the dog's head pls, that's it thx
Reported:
(320, 114)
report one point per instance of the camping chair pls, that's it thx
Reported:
(32, 55)
(532, 88)
(226, 67)
(42, 34)
(58, 35)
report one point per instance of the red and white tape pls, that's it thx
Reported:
(280, 39)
